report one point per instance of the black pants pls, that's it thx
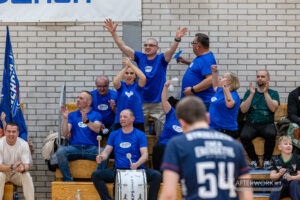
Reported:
(251, 131)
(139, 126)
(234, 134)
(157, 155)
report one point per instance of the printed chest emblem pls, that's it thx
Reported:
(129, 94)
(176, 128)
(102, 107)
(213, 99)
(148, 69)
(125, 145)
(191, 65)
(82, 125)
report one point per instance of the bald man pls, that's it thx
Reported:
(84, 126)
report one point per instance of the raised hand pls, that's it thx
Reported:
(181, 32)
(110, 26)
(112, 104)
(84, 117)
(168, 83)
(266, 87)
(251, 88)
(214, 68)
(64, 112)
(126, 61)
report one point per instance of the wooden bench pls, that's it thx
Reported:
(67, 190)
(8, 191)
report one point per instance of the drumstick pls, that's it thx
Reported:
(128, 155)
(99, 140)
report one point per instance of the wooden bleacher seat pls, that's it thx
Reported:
(67, 190)
(8, 191)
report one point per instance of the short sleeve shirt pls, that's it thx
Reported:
(100, 104)
(195, 74)
(155, 71)
(259, 111)
(127, 143)
(81, 134)
(200, 157)
(292, 165)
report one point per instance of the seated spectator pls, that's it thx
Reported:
(84, 125)
(260, 105)
(171, 128)
(225, 104)
(15, 161)
(130, 93)
(104, 101)
(286, 168)
(294, 116)
(137, 146)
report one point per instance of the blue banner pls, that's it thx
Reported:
(10, 103)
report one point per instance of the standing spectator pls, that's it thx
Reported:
(104, 101)
(225, 103)
(154, 66)
(260, 105)
(286, 168)
(294, 116)
(197, 79)
(15, 161)
(207, 162)
(84, 126)
(130, 93)
(171, 128)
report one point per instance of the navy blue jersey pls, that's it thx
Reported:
(208, 163)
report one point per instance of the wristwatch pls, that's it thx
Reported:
(87, 121)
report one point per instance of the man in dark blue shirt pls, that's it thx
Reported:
(208, 163)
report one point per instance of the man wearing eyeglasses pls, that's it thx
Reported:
(104, 101)
(197, 79)
(153, 65)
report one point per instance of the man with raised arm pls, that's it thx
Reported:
(153, 65)
(260, 105)
(84, 126)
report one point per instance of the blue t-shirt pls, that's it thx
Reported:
(127, 143)
(222, 117)
(101, 105)
(155, 71)
(196, 72)
(171, 127)
(81, 134)
(130, 97)
(200, 157)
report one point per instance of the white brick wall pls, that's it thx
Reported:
(246, 35)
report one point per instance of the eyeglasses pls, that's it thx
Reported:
(101, 86)
(150, 45)
(192, 43)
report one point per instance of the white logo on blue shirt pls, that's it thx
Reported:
(82, 125)
(102, 107)
(125, 145)
(129, 94)
(176, 128)
(148, 69)
(213, 99)
(191, 65)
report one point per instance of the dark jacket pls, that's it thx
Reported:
(294, 106)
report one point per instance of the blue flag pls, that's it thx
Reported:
(10, 103)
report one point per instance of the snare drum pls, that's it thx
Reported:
(131, 185)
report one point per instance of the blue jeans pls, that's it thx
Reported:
(75, 152)
(102, 176)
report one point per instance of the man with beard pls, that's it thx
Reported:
(260, 105)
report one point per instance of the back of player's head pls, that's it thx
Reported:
(191, 110)
(284, 138)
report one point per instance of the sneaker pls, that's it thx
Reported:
(267, 165)
(253, 165)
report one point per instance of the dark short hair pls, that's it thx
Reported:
(191, 109)
(203, 40)
(12, 124)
